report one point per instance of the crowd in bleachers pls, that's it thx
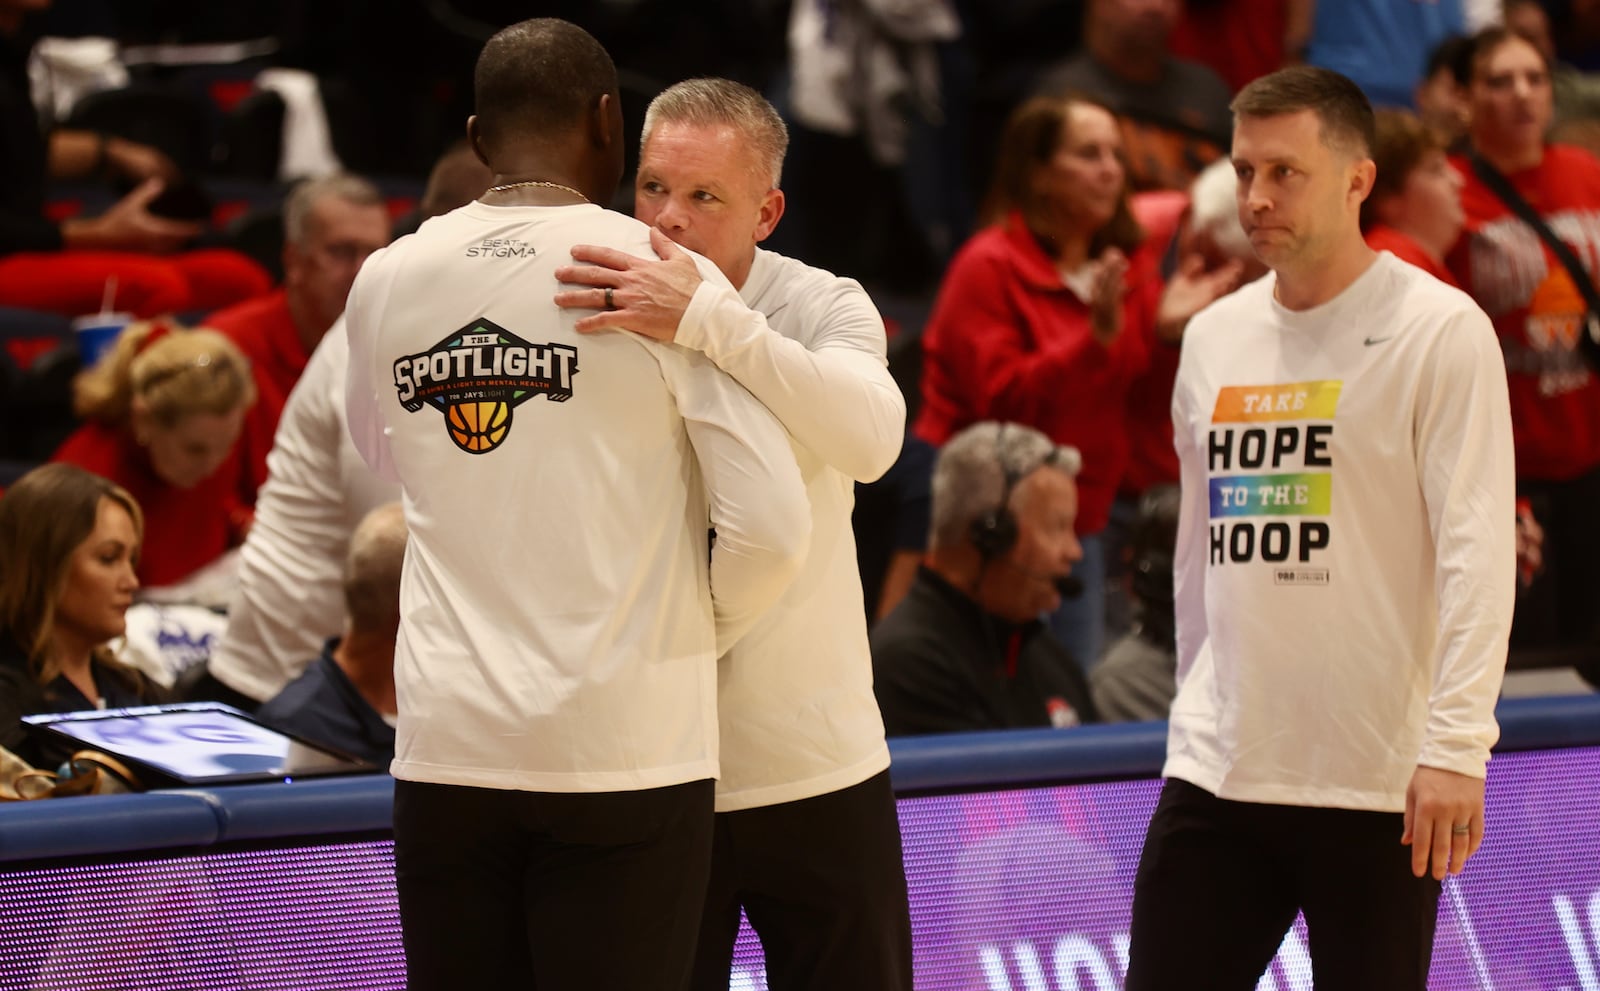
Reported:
(1037, 195)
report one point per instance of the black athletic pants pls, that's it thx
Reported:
(1219, 884)
(539, 890)
(824, 885)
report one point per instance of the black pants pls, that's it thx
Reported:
(824, 885)
(1561, 607)
(536, 890)
(1219, 884)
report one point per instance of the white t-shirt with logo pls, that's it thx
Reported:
(560, 622)
(1346, 554)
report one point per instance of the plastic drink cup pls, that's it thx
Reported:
(96, 332)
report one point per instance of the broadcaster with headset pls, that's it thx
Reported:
(966, 649)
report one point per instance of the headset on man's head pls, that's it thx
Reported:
(995, 531)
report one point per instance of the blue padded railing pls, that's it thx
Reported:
(186, 818)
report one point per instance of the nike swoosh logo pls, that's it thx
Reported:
(1369, 342)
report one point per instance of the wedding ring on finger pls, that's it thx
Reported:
(1460, 830)
(611, 302)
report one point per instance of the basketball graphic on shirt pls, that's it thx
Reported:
(1555, 311)
(478, 427)
(1556, 315)
(477, 376)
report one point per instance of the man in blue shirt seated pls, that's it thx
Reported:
(345, 699)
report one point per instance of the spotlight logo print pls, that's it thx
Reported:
(1271, 471)
(478, 376)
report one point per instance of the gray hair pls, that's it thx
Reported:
(1214, 209)
(724, 103)
(372, 568)
(341, 185)
(969, 479)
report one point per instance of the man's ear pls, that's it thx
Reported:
(475, 141)
(772, 205)
(1362, 177)
(605, 123)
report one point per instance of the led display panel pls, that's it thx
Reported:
(1019, 890)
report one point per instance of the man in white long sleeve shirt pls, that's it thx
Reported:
(807, 837)
(1344, 571)
(561, 622)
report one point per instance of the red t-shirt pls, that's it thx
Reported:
(265, 332)
(1536, 309)
(184, 529)
(1405, 248)
(1009, 341)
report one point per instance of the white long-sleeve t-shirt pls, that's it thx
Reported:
(560, 621)
(290, 597)
(1346, 555)
(795, 694)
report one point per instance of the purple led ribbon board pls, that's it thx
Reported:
(1023, 890)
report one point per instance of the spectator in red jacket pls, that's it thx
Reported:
(1043, 321)
(163, 410)
(1048, 316)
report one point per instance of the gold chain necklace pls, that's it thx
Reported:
(536, 182)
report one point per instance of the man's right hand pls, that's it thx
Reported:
(130, 226)
(647, 297)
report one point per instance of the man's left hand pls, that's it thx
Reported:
(1437, 802)
(647, 297)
